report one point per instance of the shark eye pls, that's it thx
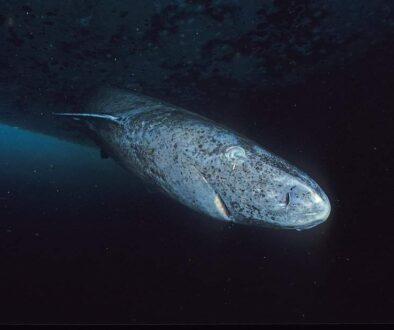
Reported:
(235, 153)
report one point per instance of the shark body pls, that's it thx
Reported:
(200, 163)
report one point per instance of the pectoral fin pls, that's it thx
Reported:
(191, 187)
(88, 116)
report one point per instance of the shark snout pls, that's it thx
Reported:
(323, 207)
(318, 211)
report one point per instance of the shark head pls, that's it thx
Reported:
(244, 183)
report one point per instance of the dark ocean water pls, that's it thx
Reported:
(82, 241)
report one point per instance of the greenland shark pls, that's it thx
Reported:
(200, 163)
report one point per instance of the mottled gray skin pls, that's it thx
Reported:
(202, 164)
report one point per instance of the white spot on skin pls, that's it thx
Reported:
(235, 154)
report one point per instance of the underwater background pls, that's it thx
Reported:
(83, 241)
